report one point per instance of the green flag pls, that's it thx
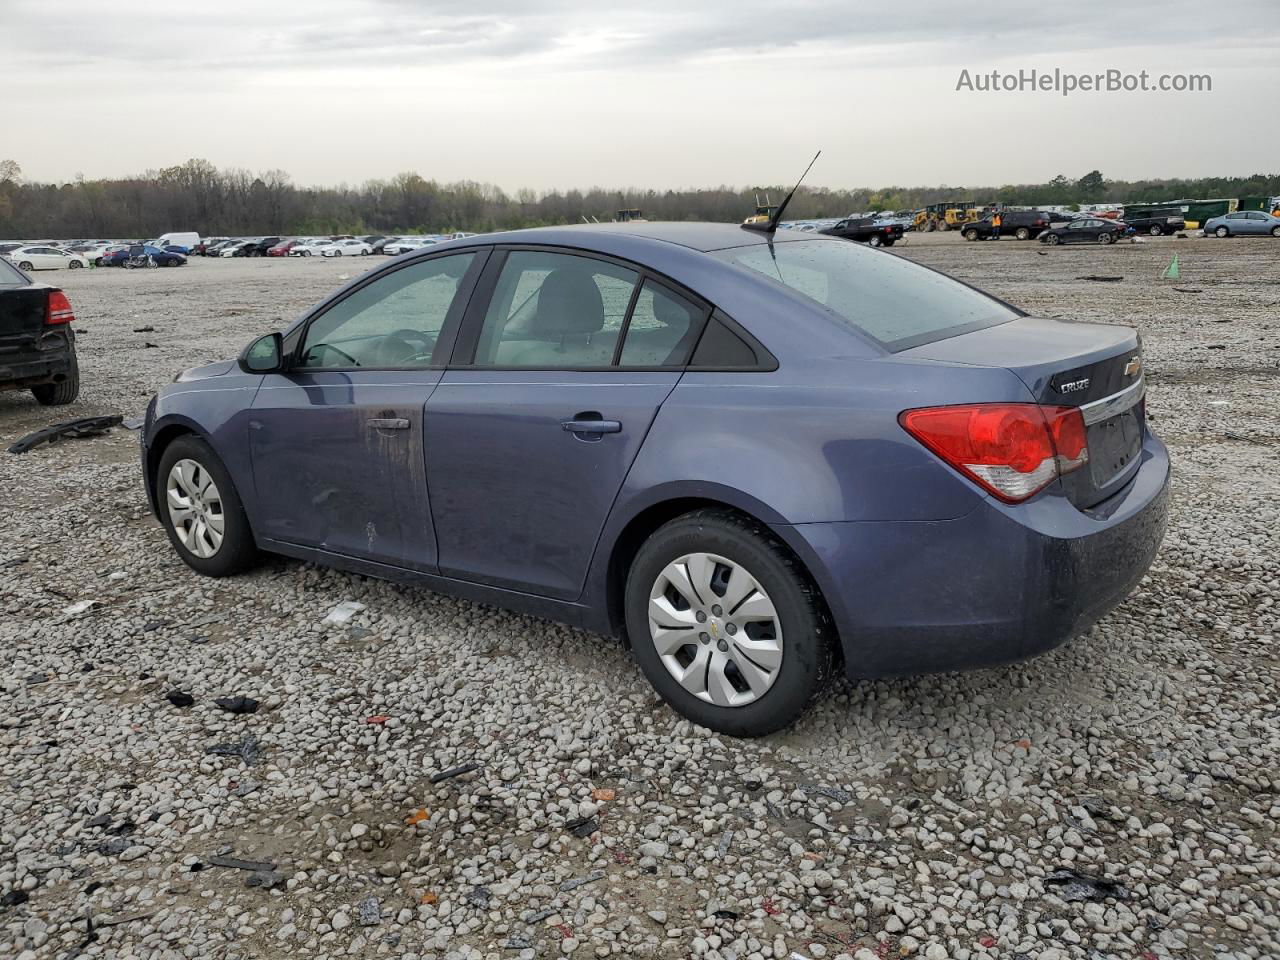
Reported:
(1171, 271)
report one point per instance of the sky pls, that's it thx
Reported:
(556, 94)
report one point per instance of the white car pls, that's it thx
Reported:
(406, 244)
(308, 248)
(45, 258)
(93, 252)
(230, 249)
(344, 248)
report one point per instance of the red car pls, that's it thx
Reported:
(282, 248)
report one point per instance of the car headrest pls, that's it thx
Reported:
(669, 312)
(569, 302)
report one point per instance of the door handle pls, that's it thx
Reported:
(388, 423)
(591, 426)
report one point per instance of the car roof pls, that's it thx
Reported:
(703, 237)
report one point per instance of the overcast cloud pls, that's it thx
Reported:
(564, 93)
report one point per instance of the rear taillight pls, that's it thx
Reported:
(1013, 450)
(57, 309)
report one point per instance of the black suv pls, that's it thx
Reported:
(37, 344)
(1156, 222)
(877, 233)
(260, 248)
(1023, 224)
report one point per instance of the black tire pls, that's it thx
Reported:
(26, 266)
(875, 241)
(1222, 232)
(1052, 239)
(1022, 233)
(1155, 230)
(61, 393)
(1275, 231)
(971, 234)
(74, 265)
(807, 634)
(1106, 238)
(238, 551)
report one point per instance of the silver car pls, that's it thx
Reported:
(1243, 223)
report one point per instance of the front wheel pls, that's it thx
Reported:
(1155, 230)
(1053, 239)
(1275, 231)
(1222, 232)
(74, 265)
(1022, 233)
(971, 234)
(201, 511)
(26, 265)
(726, 624)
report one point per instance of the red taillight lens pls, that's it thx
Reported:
(57, 309)
(1013, 450)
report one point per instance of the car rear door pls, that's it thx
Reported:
(336, 440)
(533, 428)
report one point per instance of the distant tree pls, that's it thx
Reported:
(1091, 186)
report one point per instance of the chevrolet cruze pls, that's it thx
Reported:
(758, 458)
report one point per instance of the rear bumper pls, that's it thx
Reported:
(998, 585)
(32, 367)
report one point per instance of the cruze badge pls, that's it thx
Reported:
(1075, 386)
(1132, 368)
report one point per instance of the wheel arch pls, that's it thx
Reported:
(645, 521)
(162, 435)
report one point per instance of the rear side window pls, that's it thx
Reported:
(898, 303)
(662, 328)
(9, 276)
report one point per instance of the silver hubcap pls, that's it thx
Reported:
(195, 508)
(715, 629)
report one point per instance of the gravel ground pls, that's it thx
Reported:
(1116, 798)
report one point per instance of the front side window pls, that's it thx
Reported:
(555, 310)
(896, 302)
(392, 322)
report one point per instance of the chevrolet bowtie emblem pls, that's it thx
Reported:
(1133, 367)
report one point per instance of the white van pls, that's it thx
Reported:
(188, 240)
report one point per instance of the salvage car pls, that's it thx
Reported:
(1239, 224)
(1084, 230)
(349, 247)
(1019, 224)
(875, 233)
(759, 458)
(162, 258)
(37, 341)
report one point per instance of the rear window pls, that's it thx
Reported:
(9, 276)
(898, 303)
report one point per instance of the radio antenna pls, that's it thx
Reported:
(771, 225)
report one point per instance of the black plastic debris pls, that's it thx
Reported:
(247, 750)
(245, 788)
(576, 882)
(831, 793)
(751, 786)
(583, 826)
(14, 898)
(113, 847)
(235, 863)
(93, 888)
(180, 698)
(1099, 279)
(144, 329)
(724, 914)
(69, 429)
(454, 772)
(98, 822)
(266, 879)
(37, 678)
(479, 897)
(151, 346)
(237, 704)
(1076, 887)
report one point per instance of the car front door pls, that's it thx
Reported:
(336, 439)
(540, 416)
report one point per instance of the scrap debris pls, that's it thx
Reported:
(70, 429)
(454, 772)
(1076, 887)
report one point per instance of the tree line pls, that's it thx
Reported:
(198, 196)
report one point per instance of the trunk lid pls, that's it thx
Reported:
(22, 316)
(1097, 367)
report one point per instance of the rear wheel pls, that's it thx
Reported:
(25, 265)
(726, 624)
(1022, 233)
(1222, 232)
(1106, 238)
(64, 391)
(1155, 230)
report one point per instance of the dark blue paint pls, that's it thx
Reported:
(488, 496)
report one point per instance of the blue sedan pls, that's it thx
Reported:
(1243, 223)
(759, 458)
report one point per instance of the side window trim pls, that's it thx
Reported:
(444, 343)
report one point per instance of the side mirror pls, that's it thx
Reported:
(264, 355)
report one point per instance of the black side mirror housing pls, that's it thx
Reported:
(264, 355)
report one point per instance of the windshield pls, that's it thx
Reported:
(898, 303)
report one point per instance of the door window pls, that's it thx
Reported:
(555, 310)
(662, 328)
(393, 322)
